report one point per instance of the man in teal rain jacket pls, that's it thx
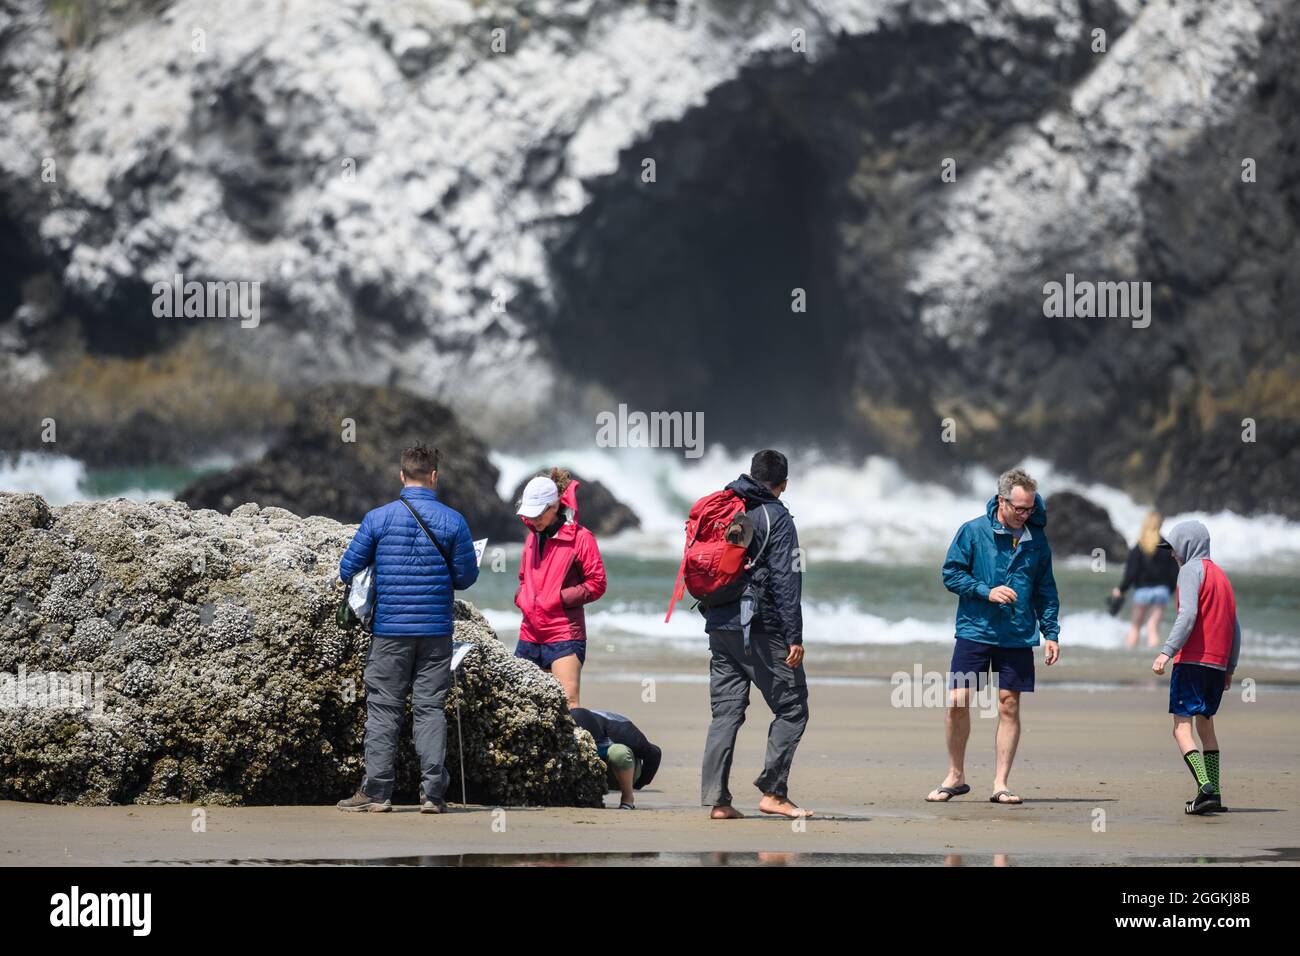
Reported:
(1000, 567)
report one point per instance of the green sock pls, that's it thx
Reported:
(1197, 766)
(1212, 768)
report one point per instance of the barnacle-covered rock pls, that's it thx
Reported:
(153, 653)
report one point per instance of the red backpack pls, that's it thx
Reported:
(710, 564)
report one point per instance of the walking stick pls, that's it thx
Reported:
(460, 740)
(459, 651)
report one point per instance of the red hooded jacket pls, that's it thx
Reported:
(569, 574)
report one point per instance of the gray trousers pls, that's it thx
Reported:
(785, 691)
(396, 665)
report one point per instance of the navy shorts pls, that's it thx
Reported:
(544, 655)
(972, 660)
(1195, 690)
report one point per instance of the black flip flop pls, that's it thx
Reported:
(951, 791)
(997, 798)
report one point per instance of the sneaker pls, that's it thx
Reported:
(362, 802)
(1206, 801)
(431, 806)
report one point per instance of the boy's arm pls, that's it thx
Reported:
(1236, 644)
(1189, 594)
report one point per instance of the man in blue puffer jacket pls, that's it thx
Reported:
(1000, 567)
(411, 647)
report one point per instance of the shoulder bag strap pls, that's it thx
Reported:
(428, 533)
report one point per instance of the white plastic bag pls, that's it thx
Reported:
(361, 594)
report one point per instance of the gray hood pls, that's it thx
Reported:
(1190, 541)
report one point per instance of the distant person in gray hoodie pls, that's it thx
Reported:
(1204, 645)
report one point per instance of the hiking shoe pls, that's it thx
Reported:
(1206, 801)
(362, 803)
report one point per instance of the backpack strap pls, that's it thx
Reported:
(767, 524)
(428, 533)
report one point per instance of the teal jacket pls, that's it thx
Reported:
(981, 558)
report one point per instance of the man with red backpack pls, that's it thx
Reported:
(755, 626)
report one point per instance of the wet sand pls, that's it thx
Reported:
(1078, 666)
(1101, 780)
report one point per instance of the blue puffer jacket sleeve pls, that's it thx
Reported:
(361, 552)
(464, 566)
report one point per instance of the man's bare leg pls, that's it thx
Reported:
(1008, 741)
(957, 733)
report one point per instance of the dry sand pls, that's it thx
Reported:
(1099, 773)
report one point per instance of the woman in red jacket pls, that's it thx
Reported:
(559, 572)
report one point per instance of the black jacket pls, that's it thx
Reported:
(776, 578)
(608, 728)
(1143, 572)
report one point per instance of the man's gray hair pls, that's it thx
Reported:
(1016, 477)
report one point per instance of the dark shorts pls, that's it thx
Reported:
(1195, 690)
(972, 661)
(544, 655)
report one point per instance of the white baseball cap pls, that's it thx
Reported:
(539, 494)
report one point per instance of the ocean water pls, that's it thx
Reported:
(873, 539)
(861, 617)
(60, 479)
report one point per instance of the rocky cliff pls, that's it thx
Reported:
(456, 197)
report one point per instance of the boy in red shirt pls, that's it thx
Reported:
(1204, 644)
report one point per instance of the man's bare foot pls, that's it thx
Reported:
(771, 803)
(725, 811)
